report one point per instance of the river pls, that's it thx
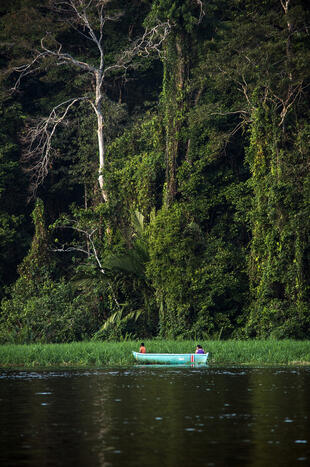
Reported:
(156, 416)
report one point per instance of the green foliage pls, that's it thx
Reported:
(206, 229)
(195, 277)
(184, 15)
(39, 309)
(135, 173)
(279, 258)
(38, 258)
(117, 326)
(128, 269)
(13, 237)
(45, 312)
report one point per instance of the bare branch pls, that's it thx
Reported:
(293, 93)
(69, 249)
(27, 69)
(38, 138)
(66, 58)
(285, 5)
(151, 42)
(244, 112)
(82, 16)
(202, 12)
(244, 88)
(89, 236)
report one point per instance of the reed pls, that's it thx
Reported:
(98, 354)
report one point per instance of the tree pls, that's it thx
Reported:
(270, 68)
(178, 57)
(89, 20)
(39, 308)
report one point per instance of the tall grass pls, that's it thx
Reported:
(97, 354)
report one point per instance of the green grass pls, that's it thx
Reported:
(97, 354)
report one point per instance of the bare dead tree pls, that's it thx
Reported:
(90, 250)
(89, 18)
(87, 233)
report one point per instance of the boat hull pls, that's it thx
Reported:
(167, 358)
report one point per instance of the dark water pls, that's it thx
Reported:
(156, 416)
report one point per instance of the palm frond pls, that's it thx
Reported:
(117, 319)
(137, 220)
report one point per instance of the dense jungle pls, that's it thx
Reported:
(154, 169)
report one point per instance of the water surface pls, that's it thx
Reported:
(156, 416)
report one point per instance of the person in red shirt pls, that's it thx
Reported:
(142, 348)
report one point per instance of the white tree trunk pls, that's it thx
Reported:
(100, 129)
(101, 155)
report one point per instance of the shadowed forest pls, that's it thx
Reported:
(154, 169)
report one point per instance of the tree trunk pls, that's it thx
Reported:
(100, 125)
(101, 155)
(175, 105)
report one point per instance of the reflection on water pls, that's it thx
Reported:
(154, 415)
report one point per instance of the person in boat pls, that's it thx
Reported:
(142, 348)
(199, 349)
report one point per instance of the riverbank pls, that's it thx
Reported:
(97, 354)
